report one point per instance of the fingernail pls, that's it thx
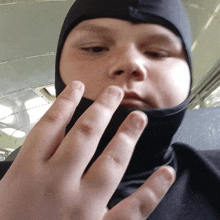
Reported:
(168, 174)
(77, 85)
(137, 121)
(113, 91)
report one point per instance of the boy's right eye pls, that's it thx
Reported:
(95, 49)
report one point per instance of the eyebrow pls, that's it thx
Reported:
(96, 29)
(165, 39)
(159, 37)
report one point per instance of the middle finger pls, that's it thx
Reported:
(80, 143)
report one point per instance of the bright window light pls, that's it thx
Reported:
(194, 45)
(6, 116)
(35, 102)
(217, 91)
(9, 149)
(13, 132)
(209, 22)
(35, 108)
(213, 99)
(194, 6)
(36, 113)
(51, 90)
(217, 9)
(196, 107)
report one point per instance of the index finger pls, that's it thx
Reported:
(80, 144)
(48, 133)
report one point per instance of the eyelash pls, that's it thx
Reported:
(157, 55)
(152, 54)
(91, 49)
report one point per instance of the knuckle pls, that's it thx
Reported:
(103, 109)
(58, 189)
(108, 170)
(131, 131)
(145, 211)
(127, 140)
(149, 201)
(53, 116)
(134, 209)
(115, 161)
(50, 191)
(65, 98)
(115, 158)
(77, 210)
(86, 128)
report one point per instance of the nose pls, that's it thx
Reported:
(130, 65)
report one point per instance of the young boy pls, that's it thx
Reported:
(130, 60)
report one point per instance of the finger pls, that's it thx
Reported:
(80, 143)
(47, 134)
(145, 199)
(107, 171)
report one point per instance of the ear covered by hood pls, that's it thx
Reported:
(152, 148)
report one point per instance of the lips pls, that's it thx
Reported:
(132, 95)
(132, 99)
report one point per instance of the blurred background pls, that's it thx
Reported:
(29, 31)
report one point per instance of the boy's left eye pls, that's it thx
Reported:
(156, 55)
(95, 49)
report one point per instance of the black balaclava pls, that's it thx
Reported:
(153, 148)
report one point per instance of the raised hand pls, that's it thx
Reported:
(46, 180)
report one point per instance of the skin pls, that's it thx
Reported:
(132, 56)
(46, 179)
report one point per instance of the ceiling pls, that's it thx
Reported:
(30, 30)
(28, 39)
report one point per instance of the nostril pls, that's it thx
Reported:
(135, 73)
(119, 72)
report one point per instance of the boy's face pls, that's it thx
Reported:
(146, 60)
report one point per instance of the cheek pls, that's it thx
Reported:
(72, 69)
(87, 72)
(180, 78)
(174, 84)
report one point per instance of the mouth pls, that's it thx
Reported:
(133, 100)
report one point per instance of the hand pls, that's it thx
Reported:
(46, 180)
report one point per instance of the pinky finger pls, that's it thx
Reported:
(145, 199)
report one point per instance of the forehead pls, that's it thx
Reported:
(117, 27)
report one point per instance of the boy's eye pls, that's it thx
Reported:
(156, 55)
(95, 49)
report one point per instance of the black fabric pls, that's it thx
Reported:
(189, 197)
(200, 129)
(4, 166)
(168, 13)
(151, 150)
(195, 193)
